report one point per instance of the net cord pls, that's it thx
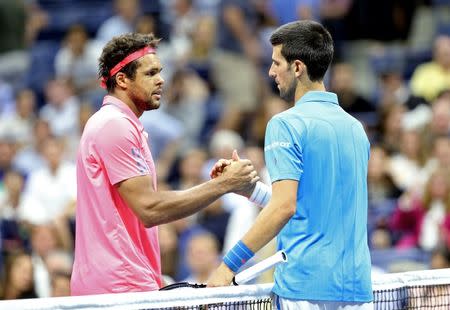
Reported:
(146, 300)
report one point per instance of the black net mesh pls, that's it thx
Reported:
(413, 297)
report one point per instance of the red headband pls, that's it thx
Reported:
(133, 56)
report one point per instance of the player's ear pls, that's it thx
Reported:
(299, 67)
(121, 80)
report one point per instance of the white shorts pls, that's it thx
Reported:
(280, 303)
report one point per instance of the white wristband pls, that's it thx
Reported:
(261, 194)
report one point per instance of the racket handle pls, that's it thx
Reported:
(257, 269)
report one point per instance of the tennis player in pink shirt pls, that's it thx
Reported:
(118, 205)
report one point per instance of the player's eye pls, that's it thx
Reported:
(154, 72)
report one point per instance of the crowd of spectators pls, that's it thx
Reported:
(394, 76)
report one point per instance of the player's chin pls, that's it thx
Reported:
(153, 105)
(156, 99)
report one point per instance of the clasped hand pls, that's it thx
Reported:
(224, 166)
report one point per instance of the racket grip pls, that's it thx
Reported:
(254, 271)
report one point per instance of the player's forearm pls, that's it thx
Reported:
(267, 225)
(169, 206)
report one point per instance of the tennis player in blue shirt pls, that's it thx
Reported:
(317, 156)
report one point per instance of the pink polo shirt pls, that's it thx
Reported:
(114, 252)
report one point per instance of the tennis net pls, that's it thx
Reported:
(428, 289)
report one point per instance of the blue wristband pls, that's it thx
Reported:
(237, 256)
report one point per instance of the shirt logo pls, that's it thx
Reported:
(141, 164)
(277, 144)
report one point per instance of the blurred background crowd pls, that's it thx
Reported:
(391, 71)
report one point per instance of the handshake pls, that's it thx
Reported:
(240, 174)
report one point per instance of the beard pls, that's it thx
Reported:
(145, 104)
(288, 94)
(150, 105)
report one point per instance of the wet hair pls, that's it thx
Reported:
(119, 48)
(307, 41)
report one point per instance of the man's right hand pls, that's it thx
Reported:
(221, 164)
(241, 175)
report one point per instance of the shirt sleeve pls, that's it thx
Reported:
(120, 150)
(283, 151)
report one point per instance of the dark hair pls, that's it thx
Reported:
(307, 41)
(119, 48)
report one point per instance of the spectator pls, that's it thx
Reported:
(123, 22)
(30, 158)
(382, 194)
(7, 153)
(430, 78)
(59, 266)
(407, 166)
(381, 187)
(50, 192)
(77, 61)
(238, 51)
(62, 108)
(18, 283)
(441, 155)
(59, 261)
(190, 168)
(214, 218)
(394, 89)
(45, 239)
(20, 23)
(342, 83)
(436, 202)
(439, 123)
(390, 127)
(202, 257)
(11, 230)
(185, 100)
(19, 124)
(440, 119)
(203, 40)
(406, 221)
(185, 228)
(271, 105)
(184, 23)
(60, 283)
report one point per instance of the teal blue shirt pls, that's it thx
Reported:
(326, 150)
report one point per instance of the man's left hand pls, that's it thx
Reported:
(223, 276)
(218, 167)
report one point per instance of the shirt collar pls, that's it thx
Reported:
(108, 99)
(318, 96)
